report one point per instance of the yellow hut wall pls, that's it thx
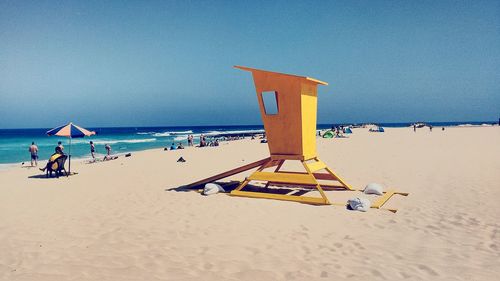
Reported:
(309, 104)
(284, 130)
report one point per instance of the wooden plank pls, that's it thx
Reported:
(382, 199)
(324, 176)
(316, 166)
(283, 177)
(328, 187)
(229, 173)
(286, 157)
(301, 199)
(339, 179)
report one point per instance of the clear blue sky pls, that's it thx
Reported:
(140, 63)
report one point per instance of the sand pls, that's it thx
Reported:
(118, 220)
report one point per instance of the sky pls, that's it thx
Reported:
(170, 63)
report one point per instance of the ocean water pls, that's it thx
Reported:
(14, 143)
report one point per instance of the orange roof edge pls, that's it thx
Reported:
(298, 76)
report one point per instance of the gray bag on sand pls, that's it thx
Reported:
(359, 204)
(212, 188)
(374, 188)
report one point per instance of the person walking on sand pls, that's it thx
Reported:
(92, 150)
(414, 128)
(430, 128)
(108, 149)
(34, 153)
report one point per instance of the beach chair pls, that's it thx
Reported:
(57, 166)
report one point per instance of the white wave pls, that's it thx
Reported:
(172, 133)
(180, 138)
(161, 134)
(181, 132)
(214, 133)
(146, 133)
(471, 125)
(124, 141)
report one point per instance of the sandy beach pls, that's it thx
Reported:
(124, 220)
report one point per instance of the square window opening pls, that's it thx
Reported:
(270, 100)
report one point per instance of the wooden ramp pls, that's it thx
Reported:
(229, 173)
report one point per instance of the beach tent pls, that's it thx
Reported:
(377, 129)
(348, 130)
(70, 131)
(328, 135)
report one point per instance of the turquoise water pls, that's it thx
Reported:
(14, 143)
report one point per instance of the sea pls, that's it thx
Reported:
(14, 143)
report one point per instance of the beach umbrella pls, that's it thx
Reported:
(70, 131)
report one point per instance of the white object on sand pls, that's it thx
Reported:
(359, 204)
(212, 188)
(374, 188)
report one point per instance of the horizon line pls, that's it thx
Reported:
(256, 125)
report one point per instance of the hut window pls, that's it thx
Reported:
(270, 100)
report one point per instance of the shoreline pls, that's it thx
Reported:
(7, 166)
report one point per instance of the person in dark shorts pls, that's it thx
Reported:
(34, 153)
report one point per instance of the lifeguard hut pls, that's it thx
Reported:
(288, 107)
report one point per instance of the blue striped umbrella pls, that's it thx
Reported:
(70, 130)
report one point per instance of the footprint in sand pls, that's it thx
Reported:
(427, 270)
(306, 250)
(208, 266)
(377, 273)
(357, 244)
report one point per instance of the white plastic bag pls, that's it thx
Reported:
(374, 188)
(359, 204)
(212, 188)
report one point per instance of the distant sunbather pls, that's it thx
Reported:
(109, 157)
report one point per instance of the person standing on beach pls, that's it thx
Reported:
(108, 149)
(202, 141)
(92, 149)
(190, 140)
(414, 128)
(34, 153)
(430, 128)
(59, 144)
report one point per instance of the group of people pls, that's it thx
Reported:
(33, 150)
(59, 151)
(173, 147)
(108, 152)
(211, 142)
(430, 128)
